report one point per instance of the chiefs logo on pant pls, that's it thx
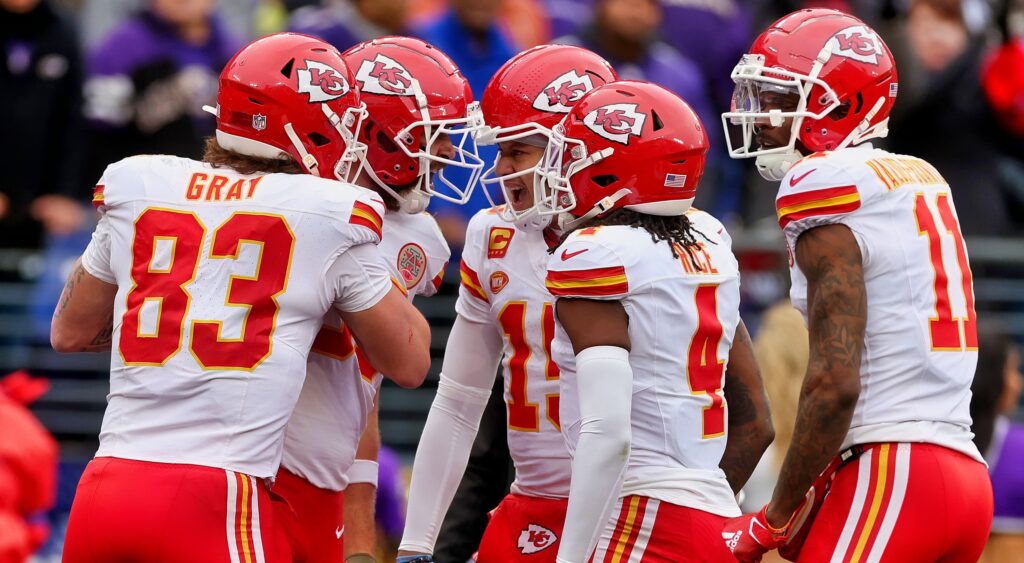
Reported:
(535, 538)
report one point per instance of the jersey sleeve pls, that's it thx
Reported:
(359, 278)
(586, 267)
(473, 303)
(438, 255)
(96, 258)
(367, 217)
(819, 191)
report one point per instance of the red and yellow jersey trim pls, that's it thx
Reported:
(365, 215)
(97, 196)
(400, 286)
(592, 282)
(471, 282)
(436, 282)
(829, 201)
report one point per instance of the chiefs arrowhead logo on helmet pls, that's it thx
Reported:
(384, 75)
(616, 122)
(321, 82)
(535, 538)
(559, 95)
(857, 42)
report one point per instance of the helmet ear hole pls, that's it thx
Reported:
(318, 139)
(844, 109)
(656, 119)
(605, 180)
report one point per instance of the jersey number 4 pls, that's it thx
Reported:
(704, 370)
(160, 288)
(948, 333)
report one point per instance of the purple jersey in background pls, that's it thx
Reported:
(1006, 459)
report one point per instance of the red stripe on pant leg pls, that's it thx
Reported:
(253, 499)
(890, 477)
(242, 520)
(641, 510)
(619, 525)
(872, 481)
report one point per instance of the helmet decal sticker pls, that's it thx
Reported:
(562, 92)
(616, 122)
(384, 75)
(321, 82)
(857, 42)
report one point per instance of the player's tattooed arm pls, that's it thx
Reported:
(83, 319)
(836, 312)
(750, 422)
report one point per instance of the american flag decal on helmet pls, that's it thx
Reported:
(675, 180)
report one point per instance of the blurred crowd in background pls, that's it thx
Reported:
(84, 83)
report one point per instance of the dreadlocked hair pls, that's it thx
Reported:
(677, 230)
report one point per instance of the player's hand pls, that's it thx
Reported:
(750, 536)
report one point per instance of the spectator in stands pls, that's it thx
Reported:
(568, 17)
(41, 137)
(995, 396)
(149, 79)
(625, 33)
(344, 23)
(468, 32)
(940, 93)
(1003, 84)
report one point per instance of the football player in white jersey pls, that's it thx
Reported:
(209, 280)
(647, 305)
(416, 99)
(504, 311)
(880, 272)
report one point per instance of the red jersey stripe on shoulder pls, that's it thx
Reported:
(97, 196)
(471, 282)
(593, 282)
(827, 201)
(439, 277)
(365, 215)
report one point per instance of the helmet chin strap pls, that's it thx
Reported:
(532, 221)
(773, 167)
(605, 204)
(413, 202)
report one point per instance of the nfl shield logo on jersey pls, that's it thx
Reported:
(259, 122)
(535, 538)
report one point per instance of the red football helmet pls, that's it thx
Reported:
(627, 144)
(291, 93)
(528, 96)
(839, 67)
(415, 95)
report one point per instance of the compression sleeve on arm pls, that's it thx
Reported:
(605, 388)
(467, 375)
